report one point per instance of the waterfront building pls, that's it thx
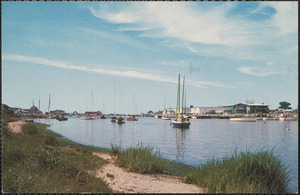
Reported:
(89, 113)
(211, 110)
(250, 108)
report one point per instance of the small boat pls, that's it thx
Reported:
(113, 119)
(242, 119)
(132, 118)
(157, 116)
(87, 117)
(120, 120)
(62, 118)
(287, 119)
(103, 117)
(180, 121)
(165, 117)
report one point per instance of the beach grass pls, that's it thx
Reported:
(40, 161)
(243, 172)
(140, 159)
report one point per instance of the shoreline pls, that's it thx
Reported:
(123, 181)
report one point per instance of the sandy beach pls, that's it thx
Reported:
(122, 181)
(16, 127)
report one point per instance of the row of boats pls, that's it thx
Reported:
(116, 119)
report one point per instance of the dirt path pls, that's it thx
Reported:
(16, 127)
(122, 181)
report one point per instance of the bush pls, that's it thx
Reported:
(246, 172)
(141, 159)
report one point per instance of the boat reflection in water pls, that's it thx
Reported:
(180, 141)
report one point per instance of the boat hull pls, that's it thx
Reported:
(130, 119)
(242, 119)
(87, 118)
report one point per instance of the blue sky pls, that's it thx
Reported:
(86, 53)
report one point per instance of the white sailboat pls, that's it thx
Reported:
(180, 120)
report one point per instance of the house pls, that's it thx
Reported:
(250, 108)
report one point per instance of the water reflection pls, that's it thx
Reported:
(180, 142)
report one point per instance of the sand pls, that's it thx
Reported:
(122, 181)
(16, 127)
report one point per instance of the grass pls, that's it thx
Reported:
(244, 172)
(40, 161)
(140, 159)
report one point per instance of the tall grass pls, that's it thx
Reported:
(140, 159)
(40, 161)
(244, 172)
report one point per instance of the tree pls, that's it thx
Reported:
(284, 105)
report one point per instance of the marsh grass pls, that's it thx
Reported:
(40, 161)
(244, 172)
(140, 159)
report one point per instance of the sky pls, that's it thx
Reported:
(124, 57)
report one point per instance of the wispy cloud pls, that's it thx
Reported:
(129, 74)
(259, 71)
(178, 20)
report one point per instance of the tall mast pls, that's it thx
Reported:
(182, 95)
(49, 103)
(178, 96)
(114, 97)
(185, 101)
(92, 100)
(39, 103)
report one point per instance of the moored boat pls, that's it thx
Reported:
(165, 117)
(88, 117)
(120, 120)
(242, 119)
(132, 118)
(113, 119)
(180, 121)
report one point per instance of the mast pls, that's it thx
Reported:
(92, 100)
(182, 95)
(114, 97)
(178, 96)
(185, 102)
(49, 103)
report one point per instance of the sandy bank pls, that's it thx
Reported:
(16, 127)
(122, 181)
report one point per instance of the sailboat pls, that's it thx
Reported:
(89, 115)
(180, 120)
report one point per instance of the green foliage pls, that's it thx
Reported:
(284, 105)
(29, 129)
(246, 172)
(37, 161)
(140, 159)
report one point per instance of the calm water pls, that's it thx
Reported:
(203, 140)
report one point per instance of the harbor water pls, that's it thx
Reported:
(204, 140)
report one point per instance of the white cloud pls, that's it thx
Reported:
(259, 71)
(129, 74)
(285, 17)
(179, 20)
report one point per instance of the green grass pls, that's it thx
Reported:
(140, 159)
(246, 172)
(40, 161)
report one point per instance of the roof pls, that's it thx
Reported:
(249, 104)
